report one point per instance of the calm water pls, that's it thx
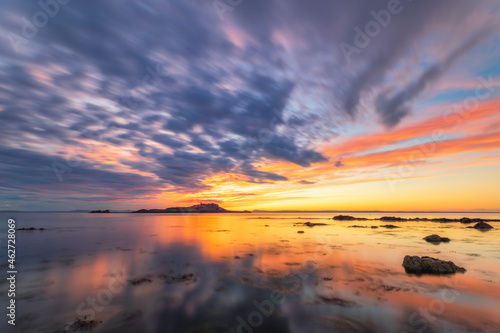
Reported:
(249, 273)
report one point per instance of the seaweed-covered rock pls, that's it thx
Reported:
(436, 239)
(428, 265)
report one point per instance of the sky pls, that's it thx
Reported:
(252, 104)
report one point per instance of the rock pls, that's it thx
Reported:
(436, 239)
(465, 220)
(300, 232)
(338, 301)
(139, 281)
(389, 226)
(309, 224)
(483, 226)
(392, 219)
(83, 325)
(428, 265)
(344, 218)
(188, 278)
(98, 211)
(374, 227)
(443, 220)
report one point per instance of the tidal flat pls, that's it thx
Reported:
(250, 273)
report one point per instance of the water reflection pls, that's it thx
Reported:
(232, 273)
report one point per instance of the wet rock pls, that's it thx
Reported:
(374, 227)
(139, 281)
(300, 232)
(344, 218)
(358, 226)
(189, 277)
(389, 226)
(436, 239)
(443, 220)
(392, 219)
(428, 265)
(82, 325)
(467, 220)
(483, 226)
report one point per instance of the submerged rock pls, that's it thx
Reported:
(139, 281)
(338, 301)
(310, 224)
(83, 325)
(428, 265)
(436, 239)
(483, 226)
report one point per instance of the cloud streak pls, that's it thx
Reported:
(156, 97)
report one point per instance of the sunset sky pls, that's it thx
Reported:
(253, 104)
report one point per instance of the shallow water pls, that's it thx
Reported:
(249, 273)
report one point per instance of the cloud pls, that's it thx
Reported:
(53, 176)
(394, 108)
(162, 96)
(305, 182)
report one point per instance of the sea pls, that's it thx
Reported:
(245, 273)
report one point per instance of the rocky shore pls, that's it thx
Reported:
(464, 220)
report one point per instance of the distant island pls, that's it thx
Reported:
(201, 208)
